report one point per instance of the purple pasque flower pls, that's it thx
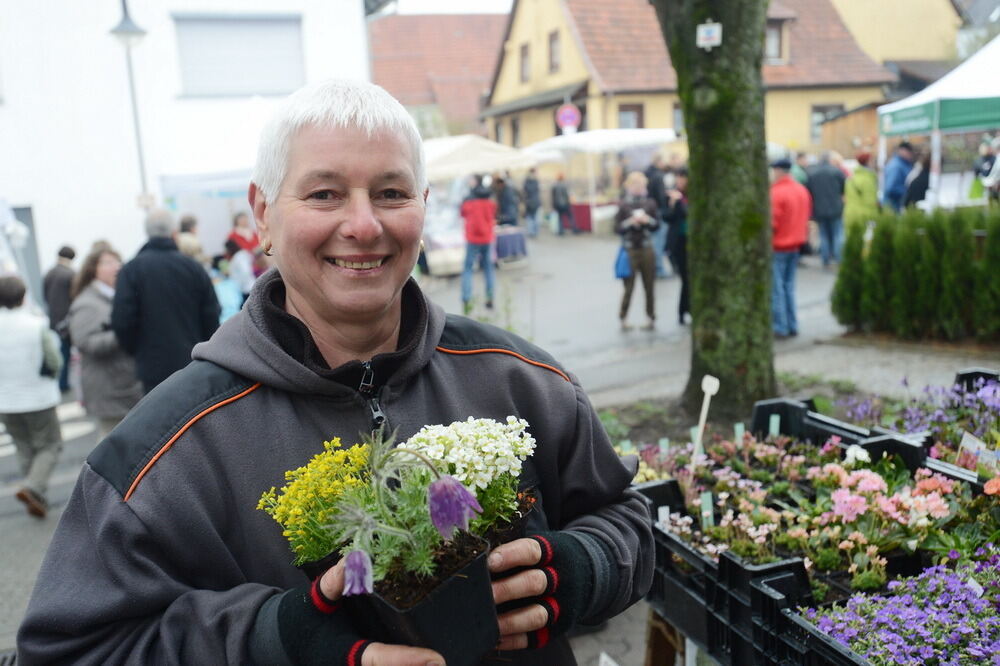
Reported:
(451, 505)
(357, 573)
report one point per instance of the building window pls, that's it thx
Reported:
(525, 64)
(817, 116)
(239, 56)
(554, 51)
(630, 116)
(498, 131)
(678, 118)
(773, 43)
(515, 132)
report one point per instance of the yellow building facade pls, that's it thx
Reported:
(531, 81)
(889, 30)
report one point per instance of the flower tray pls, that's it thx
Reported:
(457, 619)
(798, 421)
(968, 377)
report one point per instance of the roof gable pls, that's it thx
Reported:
(443, 59)
(618, 34)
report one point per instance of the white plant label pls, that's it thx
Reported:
(605, 660)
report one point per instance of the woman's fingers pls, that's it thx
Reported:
(531, 583)
(382, 654)
(332, 582)
(519, 553)
(523, 620)
(515, 642)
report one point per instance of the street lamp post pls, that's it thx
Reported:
(130, 34)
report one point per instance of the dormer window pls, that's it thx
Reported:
(774, 42)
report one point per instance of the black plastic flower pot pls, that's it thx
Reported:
(968, 377)
(457, 619)
(317, 568)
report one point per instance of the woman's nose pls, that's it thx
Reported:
(362, 221)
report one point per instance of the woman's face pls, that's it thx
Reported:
(637, 188)
(242, 222)
(345, 225)
(107, 269)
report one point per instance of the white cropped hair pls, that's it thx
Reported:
(335, 103)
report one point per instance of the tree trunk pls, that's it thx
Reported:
(729, 232)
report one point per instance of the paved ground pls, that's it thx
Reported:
(564, 299)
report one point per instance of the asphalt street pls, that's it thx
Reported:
(564, 298)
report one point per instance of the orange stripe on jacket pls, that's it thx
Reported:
(170, 442)
(505, 351)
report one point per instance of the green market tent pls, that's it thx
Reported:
(966, 99)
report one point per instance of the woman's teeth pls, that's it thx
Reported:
(358, 265)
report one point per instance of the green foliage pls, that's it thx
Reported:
(499, 501)
(847, 290)
(869, 580)
(988, 282)
(876, 284)
(613, 425)
(906, 252)
(927, 290)
(827, 559)
(923, 277)
(957, 278)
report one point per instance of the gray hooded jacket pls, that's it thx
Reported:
(162, 556)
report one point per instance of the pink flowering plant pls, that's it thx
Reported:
(409, 504)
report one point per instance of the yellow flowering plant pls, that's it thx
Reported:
(306, 504)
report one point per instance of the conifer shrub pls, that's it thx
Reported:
(876, 287)
(955, 306)
(905, 309)
(926, 292)
(846, 299)
(988, 282)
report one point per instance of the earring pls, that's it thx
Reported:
(267, 249)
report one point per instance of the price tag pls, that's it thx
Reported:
(605, 660)
(707, 510)
(976, 587)
(694, 434)
(664, 445)
(738, 431)
(625, 445)
(774, 425)
(663, 514)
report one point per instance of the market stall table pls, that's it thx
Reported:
(511, 243)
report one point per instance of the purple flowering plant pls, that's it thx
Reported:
(949, 615)
(944, 413)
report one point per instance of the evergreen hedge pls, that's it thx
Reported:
(922, 276)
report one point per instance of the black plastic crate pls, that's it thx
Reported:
(8, 658)
(768, 597)
(968, 377)
(799, 422)
(955, 472)
(910, 450)
(659, 493)
(802, 644)
(729, 597)
(681, 607)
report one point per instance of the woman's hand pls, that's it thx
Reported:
(516, 624)
(378, 654)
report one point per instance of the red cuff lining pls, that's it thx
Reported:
(353, 657)
(546, 550)
(320, 601)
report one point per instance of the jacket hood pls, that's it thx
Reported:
(246, 344)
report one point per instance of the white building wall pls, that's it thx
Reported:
(67, 147)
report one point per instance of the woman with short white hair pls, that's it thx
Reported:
(167, 557)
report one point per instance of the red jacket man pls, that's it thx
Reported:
(480, 214)
(791, 206)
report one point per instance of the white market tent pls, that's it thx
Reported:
(457, 156)
(964, 100)
(591, 142)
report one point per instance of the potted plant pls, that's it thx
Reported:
(411, 521)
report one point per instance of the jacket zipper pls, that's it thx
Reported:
(370, 393)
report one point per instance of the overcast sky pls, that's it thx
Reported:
(454, 6)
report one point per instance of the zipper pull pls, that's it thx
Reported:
(378, 416)
(367, 380)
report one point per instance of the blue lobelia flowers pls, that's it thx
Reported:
(357, 573)
(451, 505)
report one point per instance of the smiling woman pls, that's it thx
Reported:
(333, 341)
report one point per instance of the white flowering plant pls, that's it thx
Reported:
(486, 456)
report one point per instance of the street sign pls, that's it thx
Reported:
(708, 35)
(568, 116)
